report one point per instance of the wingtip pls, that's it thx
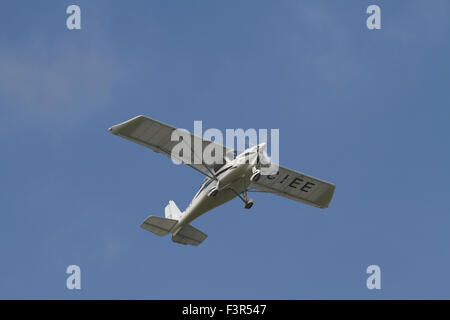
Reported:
(111, 129)
(124, 125)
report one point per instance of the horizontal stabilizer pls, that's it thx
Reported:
(189, 235)
(159, 226)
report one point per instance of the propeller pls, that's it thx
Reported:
(257, 154)
(260, 147)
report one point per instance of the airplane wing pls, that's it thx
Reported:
(157, 136)
(296, 186)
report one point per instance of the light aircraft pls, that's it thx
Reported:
(225, 181)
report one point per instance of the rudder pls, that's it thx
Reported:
(172, 211)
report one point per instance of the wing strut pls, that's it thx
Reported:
(207, 168)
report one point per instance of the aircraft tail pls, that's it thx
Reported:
(172, 211)
(163, 226)
(159, 226)
(189, 235)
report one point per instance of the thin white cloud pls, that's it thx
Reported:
(54, 84)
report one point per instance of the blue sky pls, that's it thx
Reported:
(366, 110)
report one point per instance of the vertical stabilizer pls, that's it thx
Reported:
(172, 211)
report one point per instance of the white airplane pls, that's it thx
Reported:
(232, 178)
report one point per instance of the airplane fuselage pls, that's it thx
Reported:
(232, 179)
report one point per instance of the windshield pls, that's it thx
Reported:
(231, 155)
(204, 184)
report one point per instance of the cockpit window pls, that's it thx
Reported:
(205, 183)
(231, 155)
(218, 166)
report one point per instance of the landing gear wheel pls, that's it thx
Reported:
(213, 192)
(255, 177)
(248, 204)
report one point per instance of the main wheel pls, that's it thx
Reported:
(249, 204)
(213, 192)
(255, 177)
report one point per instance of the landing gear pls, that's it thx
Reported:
(213, 192)
(255, 176)
(248, 202)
